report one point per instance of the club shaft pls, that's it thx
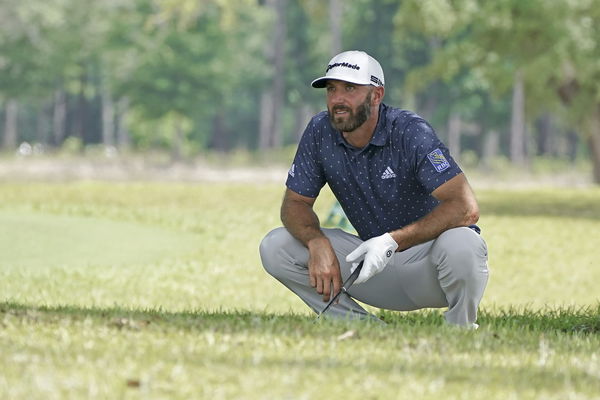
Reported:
(346, 285)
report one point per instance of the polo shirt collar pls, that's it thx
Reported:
(381, 134)
(380, 137)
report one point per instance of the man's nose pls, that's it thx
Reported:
(337, 98)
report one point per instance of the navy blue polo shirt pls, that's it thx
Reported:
(383, 186)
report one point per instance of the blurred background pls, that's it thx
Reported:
(507, 84)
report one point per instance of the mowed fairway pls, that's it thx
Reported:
(156, 291)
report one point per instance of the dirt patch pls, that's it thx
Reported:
(47, 169)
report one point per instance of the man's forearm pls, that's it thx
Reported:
(301, 221)
(445, 216)
(457, 207)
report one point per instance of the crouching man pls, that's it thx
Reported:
(408, 200)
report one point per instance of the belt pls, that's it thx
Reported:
(475, 228)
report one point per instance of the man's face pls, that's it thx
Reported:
(349, 105)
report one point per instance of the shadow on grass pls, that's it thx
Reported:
(584, 320)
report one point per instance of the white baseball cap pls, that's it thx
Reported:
(352, 66)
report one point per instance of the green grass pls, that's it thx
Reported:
(114, 290)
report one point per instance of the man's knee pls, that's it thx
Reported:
(463, 251)
(272, 249)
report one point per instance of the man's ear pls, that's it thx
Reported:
(377, 96)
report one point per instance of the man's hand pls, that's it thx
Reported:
(301, 221)
(378, 251)
(324, 268)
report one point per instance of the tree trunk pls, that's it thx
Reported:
(426, 104)
(42, 134)
(80, 116)
(270, 129)
(544, 136)
(108, 117)
(572, 144)
(594, 143)
(9, 141)
(59, 117)
(517, 124)
(219, 138)
(123, 140)
(490, 148)
(304, 113)
(454, 130)
(266, 119)
(335, 25)
(178, 141)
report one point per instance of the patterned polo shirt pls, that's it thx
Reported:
(383, 186)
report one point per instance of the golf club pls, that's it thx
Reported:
(345, 286)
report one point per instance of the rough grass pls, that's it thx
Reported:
(114, 290)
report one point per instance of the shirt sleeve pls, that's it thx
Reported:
(432, 162)
(306, 175)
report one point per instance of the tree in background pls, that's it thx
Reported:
(25, 52)
(53, 52)
(534, 49)
(575, 72)
(188, 76)
(183, 67)
(272, 98)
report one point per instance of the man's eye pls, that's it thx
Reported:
(350, 88)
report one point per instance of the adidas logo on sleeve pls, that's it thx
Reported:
(388, 174)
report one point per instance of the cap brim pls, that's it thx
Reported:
(319, 83)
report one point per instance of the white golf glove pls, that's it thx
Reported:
(378, 251)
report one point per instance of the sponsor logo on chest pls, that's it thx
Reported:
(388, 173)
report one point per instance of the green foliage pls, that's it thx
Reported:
(551, 42)
(193, 72)
(72, 146)
(181, 68)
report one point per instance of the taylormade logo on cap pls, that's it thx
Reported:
(341, 65)
(352, 66)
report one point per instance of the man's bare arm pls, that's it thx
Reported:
(458, 207)
(298, 216)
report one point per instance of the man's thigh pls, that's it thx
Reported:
(409, 282)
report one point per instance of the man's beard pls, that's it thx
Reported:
(353, 121)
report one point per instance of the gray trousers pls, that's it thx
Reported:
(450, 271)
